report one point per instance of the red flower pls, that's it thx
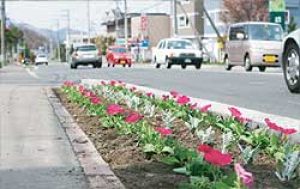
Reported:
(114, 109)
(164, 131)
(193, 106)
(113, 83)
(165, 97)
(278, 128)
(235, 112)
(133, 117)
(132, 89)
(174, 94)
(183, 100)
(87, 93)
(217, 158)
(95, 100)
(204, 148)
(205, 108)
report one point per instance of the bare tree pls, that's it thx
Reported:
(244, 10)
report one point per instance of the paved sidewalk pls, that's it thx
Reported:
(34, 150)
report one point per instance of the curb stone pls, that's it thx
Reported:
(221, 109)
(96, 170)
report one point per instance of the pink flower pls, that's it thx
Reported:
(182, 100)
(204, 148)
(193, 106)
(113, 83)
(174, 94)
(133, 117)
(164, 131)
(68, 83)
(103, 83)
(87, 93)
(95, 100)
(132, 89)
(114, 109)
(165, 97)
(278, 128)
(243, 175)
(205, 108)
(235, 112)
(149, 94)
(81, 88)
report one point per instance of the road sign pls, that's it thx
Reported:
(278, 18)
(144, 23)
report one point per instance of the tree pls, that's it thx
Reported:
(244, 10)
(292, 25)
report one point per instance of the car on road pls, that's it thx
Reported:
(118, 55)
(178, 51)
(86, 54)
(291, 61)
(254, 44)
(41, 59)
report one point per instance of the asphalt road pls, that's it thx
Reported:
(265, 92)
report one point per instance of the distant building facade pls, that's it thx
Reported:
(293, 9)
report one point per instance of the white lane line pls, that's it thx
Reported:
(33, 74)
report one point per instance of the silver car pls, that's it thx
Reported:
(291, 61)
(86, 54)
(253, 44)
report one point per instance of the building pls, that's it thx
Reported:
(151, 26)
(293, 9)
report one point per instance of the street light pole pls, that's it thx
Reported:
(89, 21)
(125, 24)
(3, 19)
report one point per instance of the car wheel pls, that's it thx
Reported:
(108, 65)
(168, 63)
(129, 65)
(99, 64)
(124, 65)
(262, 68)
(46, 63)
(157, 65)
(227, 64)
(183, 66)
(113, 65)
(291, 67)
(248, 66)
(198, 65)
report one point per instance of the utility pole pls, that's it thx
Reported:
(3, 49)
(89, 21)
(68, 33)
(117, 18)
(175, 18)
(125, 24)
(58, 41)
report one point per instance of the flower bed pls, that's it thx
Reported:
(214, 152)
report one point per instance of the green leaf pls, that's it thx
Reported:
(170, 160)
(221, 185)
(168, 149)
(181, 170)
(149, 148)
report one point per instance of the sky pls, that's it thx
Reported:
(46, 14)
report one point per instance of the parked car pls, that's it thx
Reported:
(291, 61)
(118, 55)
(86, 54)
(41, 59)
(176, 51)
(254, 44)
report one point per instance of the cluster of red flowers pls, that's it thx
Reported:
(278, 128)
(114, 109)
(183, 100)
(205, 108)
(214, 156)
(238, 115)
(89, 94)
(133, 117)
(164, 131)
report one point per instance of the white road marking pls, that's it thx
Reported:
(33, 74)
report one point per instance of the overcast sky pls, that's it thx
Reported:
(45, 14)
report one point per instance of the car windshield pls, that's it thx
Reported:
(179, 45)
(87, 48)
(119, 50)
(265, 32)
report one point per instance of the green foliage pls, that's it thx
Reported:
(292, 26)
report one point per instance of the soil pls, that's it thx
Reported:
(123, 154)
(128, 162)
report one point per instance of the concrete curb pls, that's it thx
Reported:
(257, 117)
(96, 170)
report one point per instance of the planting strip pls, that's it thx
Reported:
(221, 109)
(96, 170)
